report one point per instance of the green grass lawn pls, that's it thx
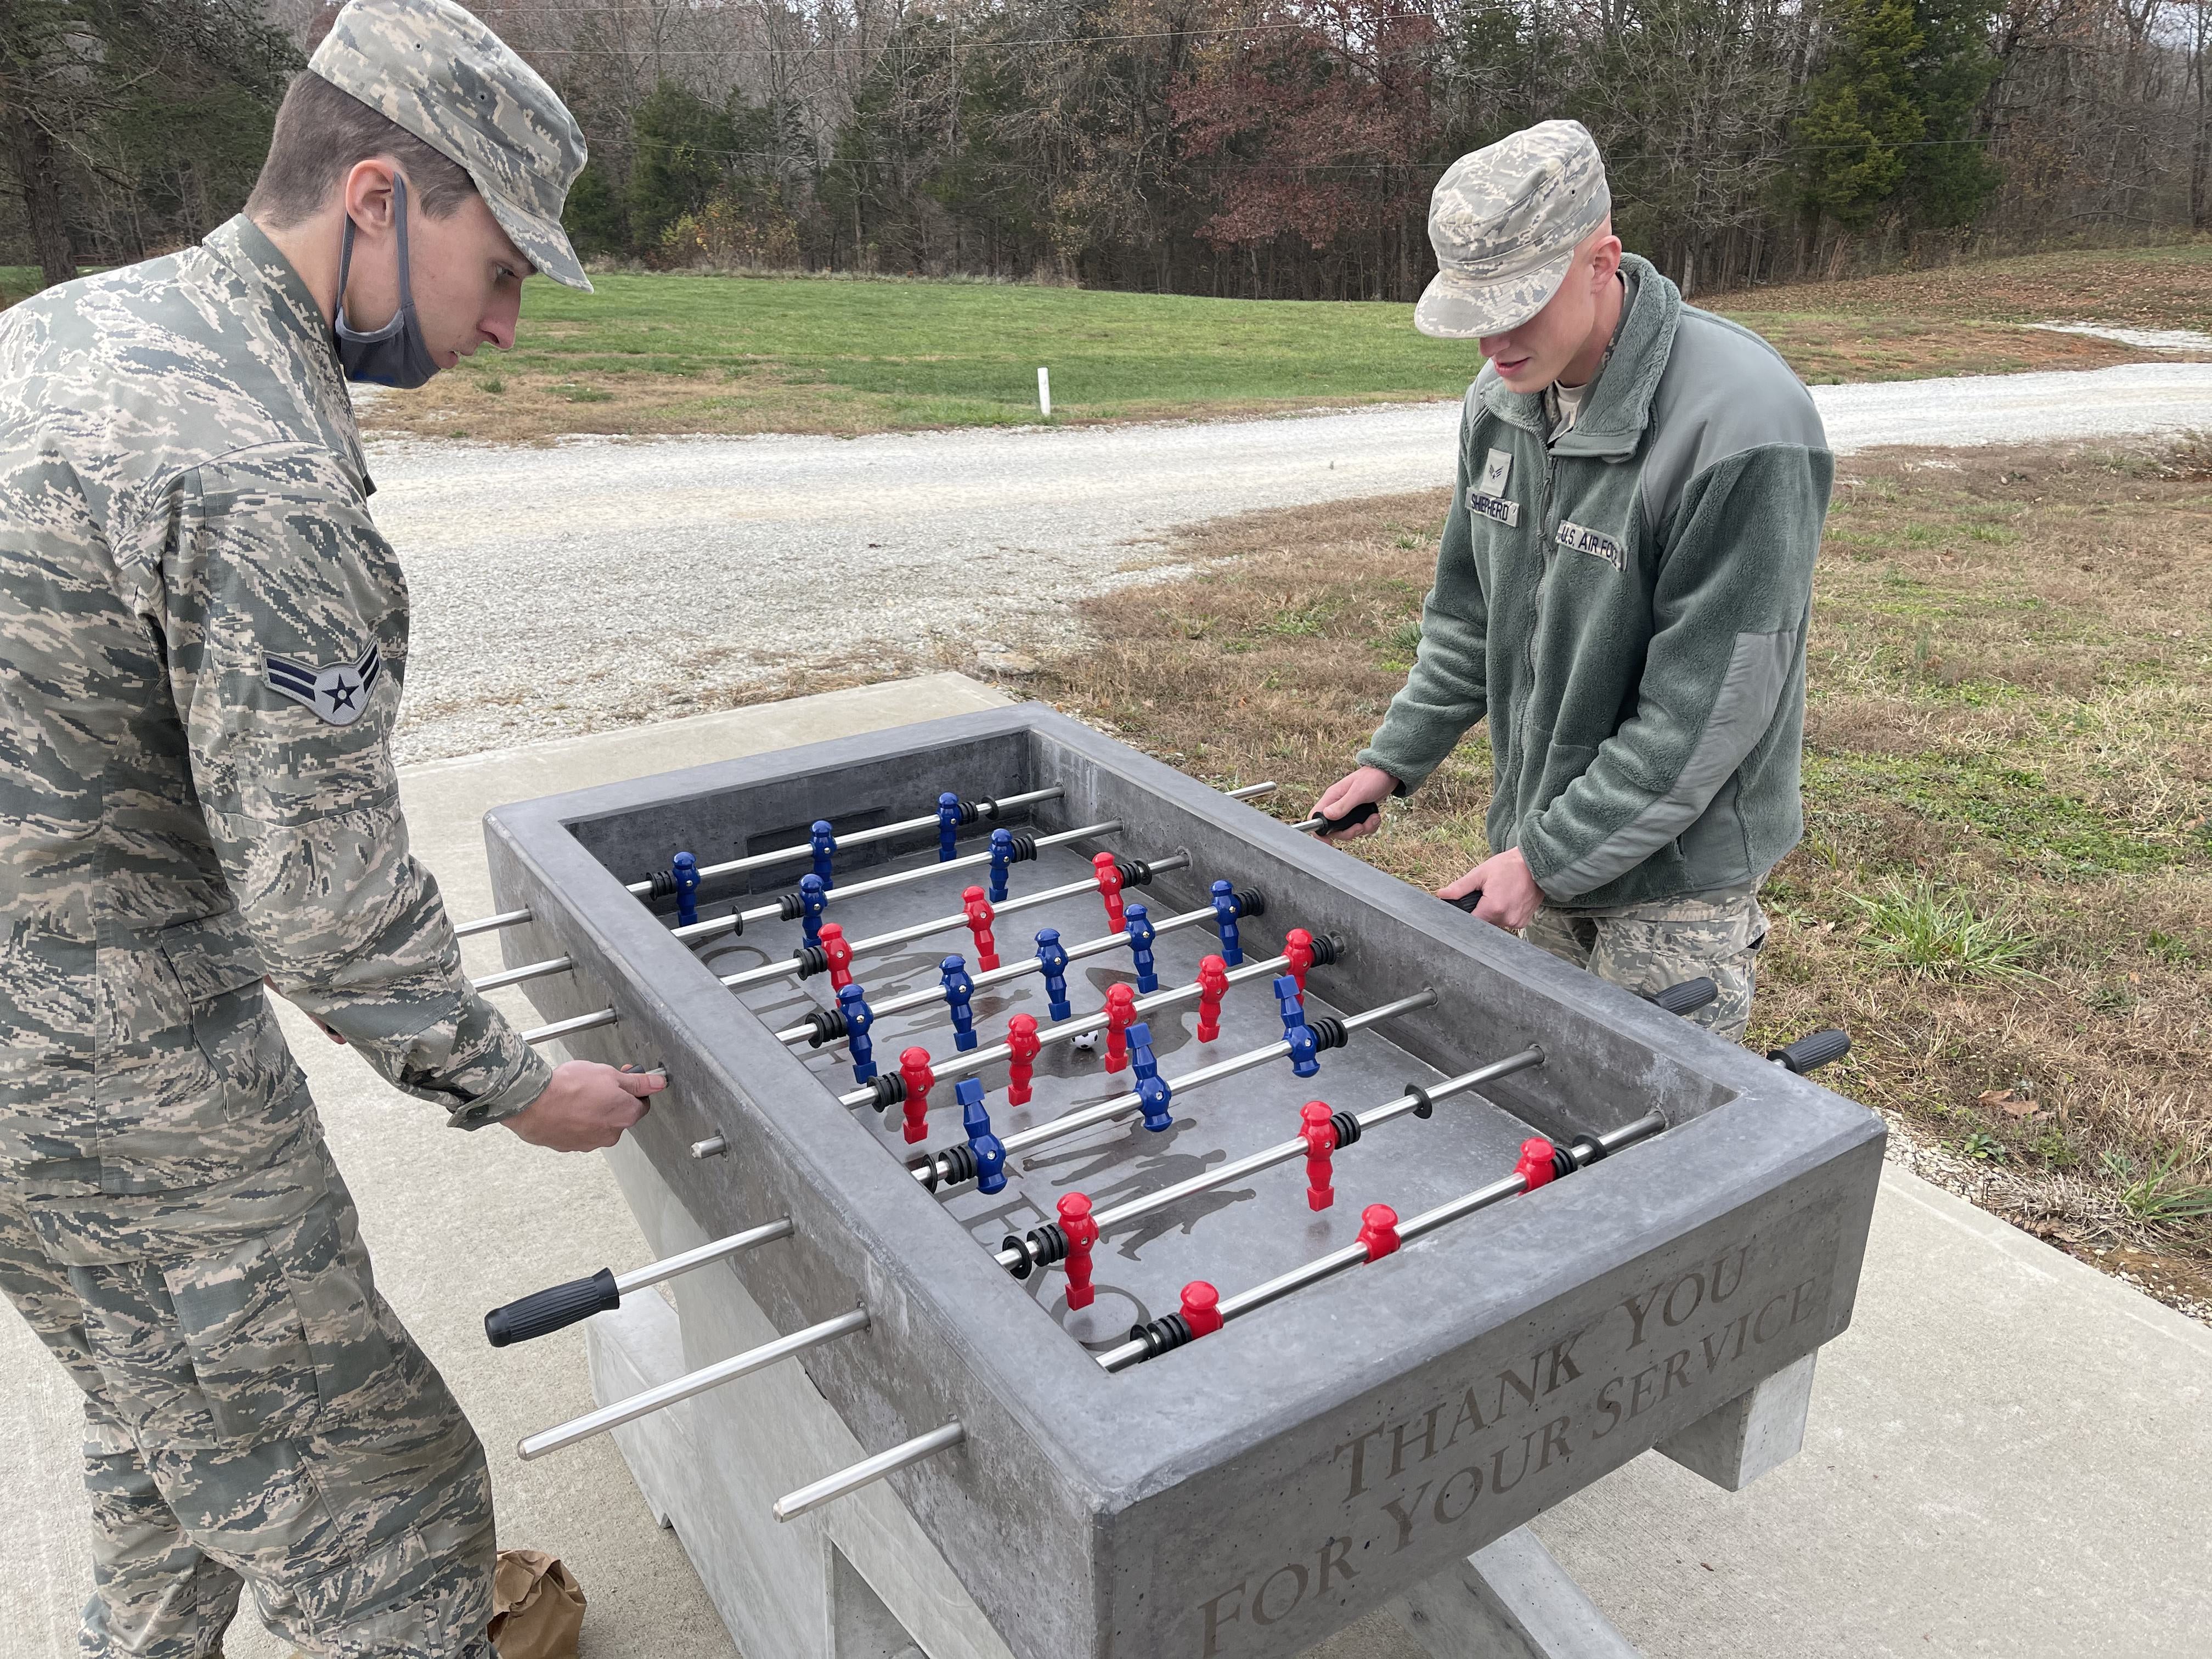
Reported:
(680, 352)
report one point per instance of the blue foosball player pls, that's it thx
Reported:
(813, 900)
(1002, 859)
(1138, 925)
(1225, 909)
(853, 1003)
(825, 846)
(1305, 1051)
(948, 826)
(1052, 956)
(1153, 1093)
(990, 1152)
(685, 869)
(960, 998)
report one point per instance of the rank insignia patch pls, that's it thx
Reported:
(337, 694)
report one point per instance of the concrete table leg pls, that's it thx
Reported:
(1752, 1433)
(1510, 1599)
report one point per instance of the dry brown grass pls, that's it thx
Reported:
(2011, 725)
(2168, 287)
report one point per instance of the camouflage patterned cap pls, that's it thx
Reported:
(1504, 221)
(439, 72)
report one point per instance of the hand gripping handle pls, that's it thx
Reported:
(552, 1309)
(1360, 814)
(1810, 1053)
(1467, 901)
(1687, 997)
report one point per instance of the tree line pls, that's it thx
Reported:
(1281, 148)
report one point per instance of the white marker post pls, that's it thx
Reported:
(1044, 392)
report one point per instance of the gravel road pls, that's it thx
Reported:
(601, 582)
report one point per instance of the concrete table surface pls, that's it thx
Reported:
(2009, 1453)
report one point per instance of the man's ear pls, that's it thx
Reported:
(367, 195)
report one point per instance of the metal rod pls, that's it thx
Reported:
(487, 924)
(569, 1027)
(1121, 1105)
(712, 1146)
(1067, 1030)
(942, 924)
(1288, 1150)
(528, 971)
(1353, 1255)
(999, 975)
(876, 885)
(692, 1382)
(768, 911)
(714, 1250)
(868, 1471)
(859, 838)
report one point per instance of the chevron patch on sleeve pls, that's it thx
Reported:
(337, 694)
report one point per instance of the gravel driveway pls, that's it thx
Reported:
(597, 583)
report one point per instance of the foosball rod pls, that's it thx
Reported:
(1584, 1152)
(970, 812)
(1137, 873)
(1416, 1100)
(812, 1032)
(1068, 1030)
(667, 1393)
(785, 907)
(560, 1306)
(937, 1169)
(868, 1471)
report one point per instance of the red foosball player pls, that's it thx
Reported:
(1378, 1230)
(1213, 986)
(1120, 1014)
(839, 952)
(1298, 950)
(979, 913)
(1081, 1232)
(1021, 1042)
(914, 1071)
(1320, 1137)
(1109, 889)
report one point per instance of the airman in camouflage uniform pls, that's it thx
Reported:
(1623, 588)
(205, 639)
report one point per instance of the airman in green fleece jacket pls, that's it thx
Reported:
(1623, 588)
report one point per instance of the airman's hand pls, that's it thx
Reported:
(1510, 897)
(585, 1108)
(1368, 786)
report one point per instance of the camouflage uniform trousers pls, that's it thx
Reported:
(1648, 947)
(256, 1415)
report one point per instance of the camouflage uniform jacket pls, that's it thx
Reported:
(205, 637)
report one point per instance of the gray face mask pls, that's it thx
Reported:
(396, 354)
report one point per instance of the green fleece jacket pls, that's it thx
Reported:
(1628, 607)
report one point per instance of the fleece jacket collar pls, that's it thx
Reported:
(1618, 407)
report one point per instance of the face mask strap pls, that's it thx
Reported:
(406, 280)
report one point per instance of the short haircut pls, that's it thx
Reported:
(321, 132)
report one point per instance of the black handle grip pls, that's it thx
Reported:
(1687, 997)
(1360, 814)
(1467, 901)
(1809, 1053)
(544, 1311)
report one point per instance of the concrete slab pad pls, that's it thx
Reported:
(2008, 1453)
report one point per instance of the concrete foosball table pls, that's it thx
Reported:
(1372, 1427)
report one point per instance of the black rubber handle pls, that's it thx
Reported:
(548, 1310)
(1467, 901)
(1688, 997)
(1809, 1053)
(1360, 814)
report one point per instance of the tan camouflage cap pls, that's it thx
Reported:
(442, 75)
(1504, 221)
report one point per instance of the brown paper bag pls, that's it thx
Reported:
(537, 1606)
